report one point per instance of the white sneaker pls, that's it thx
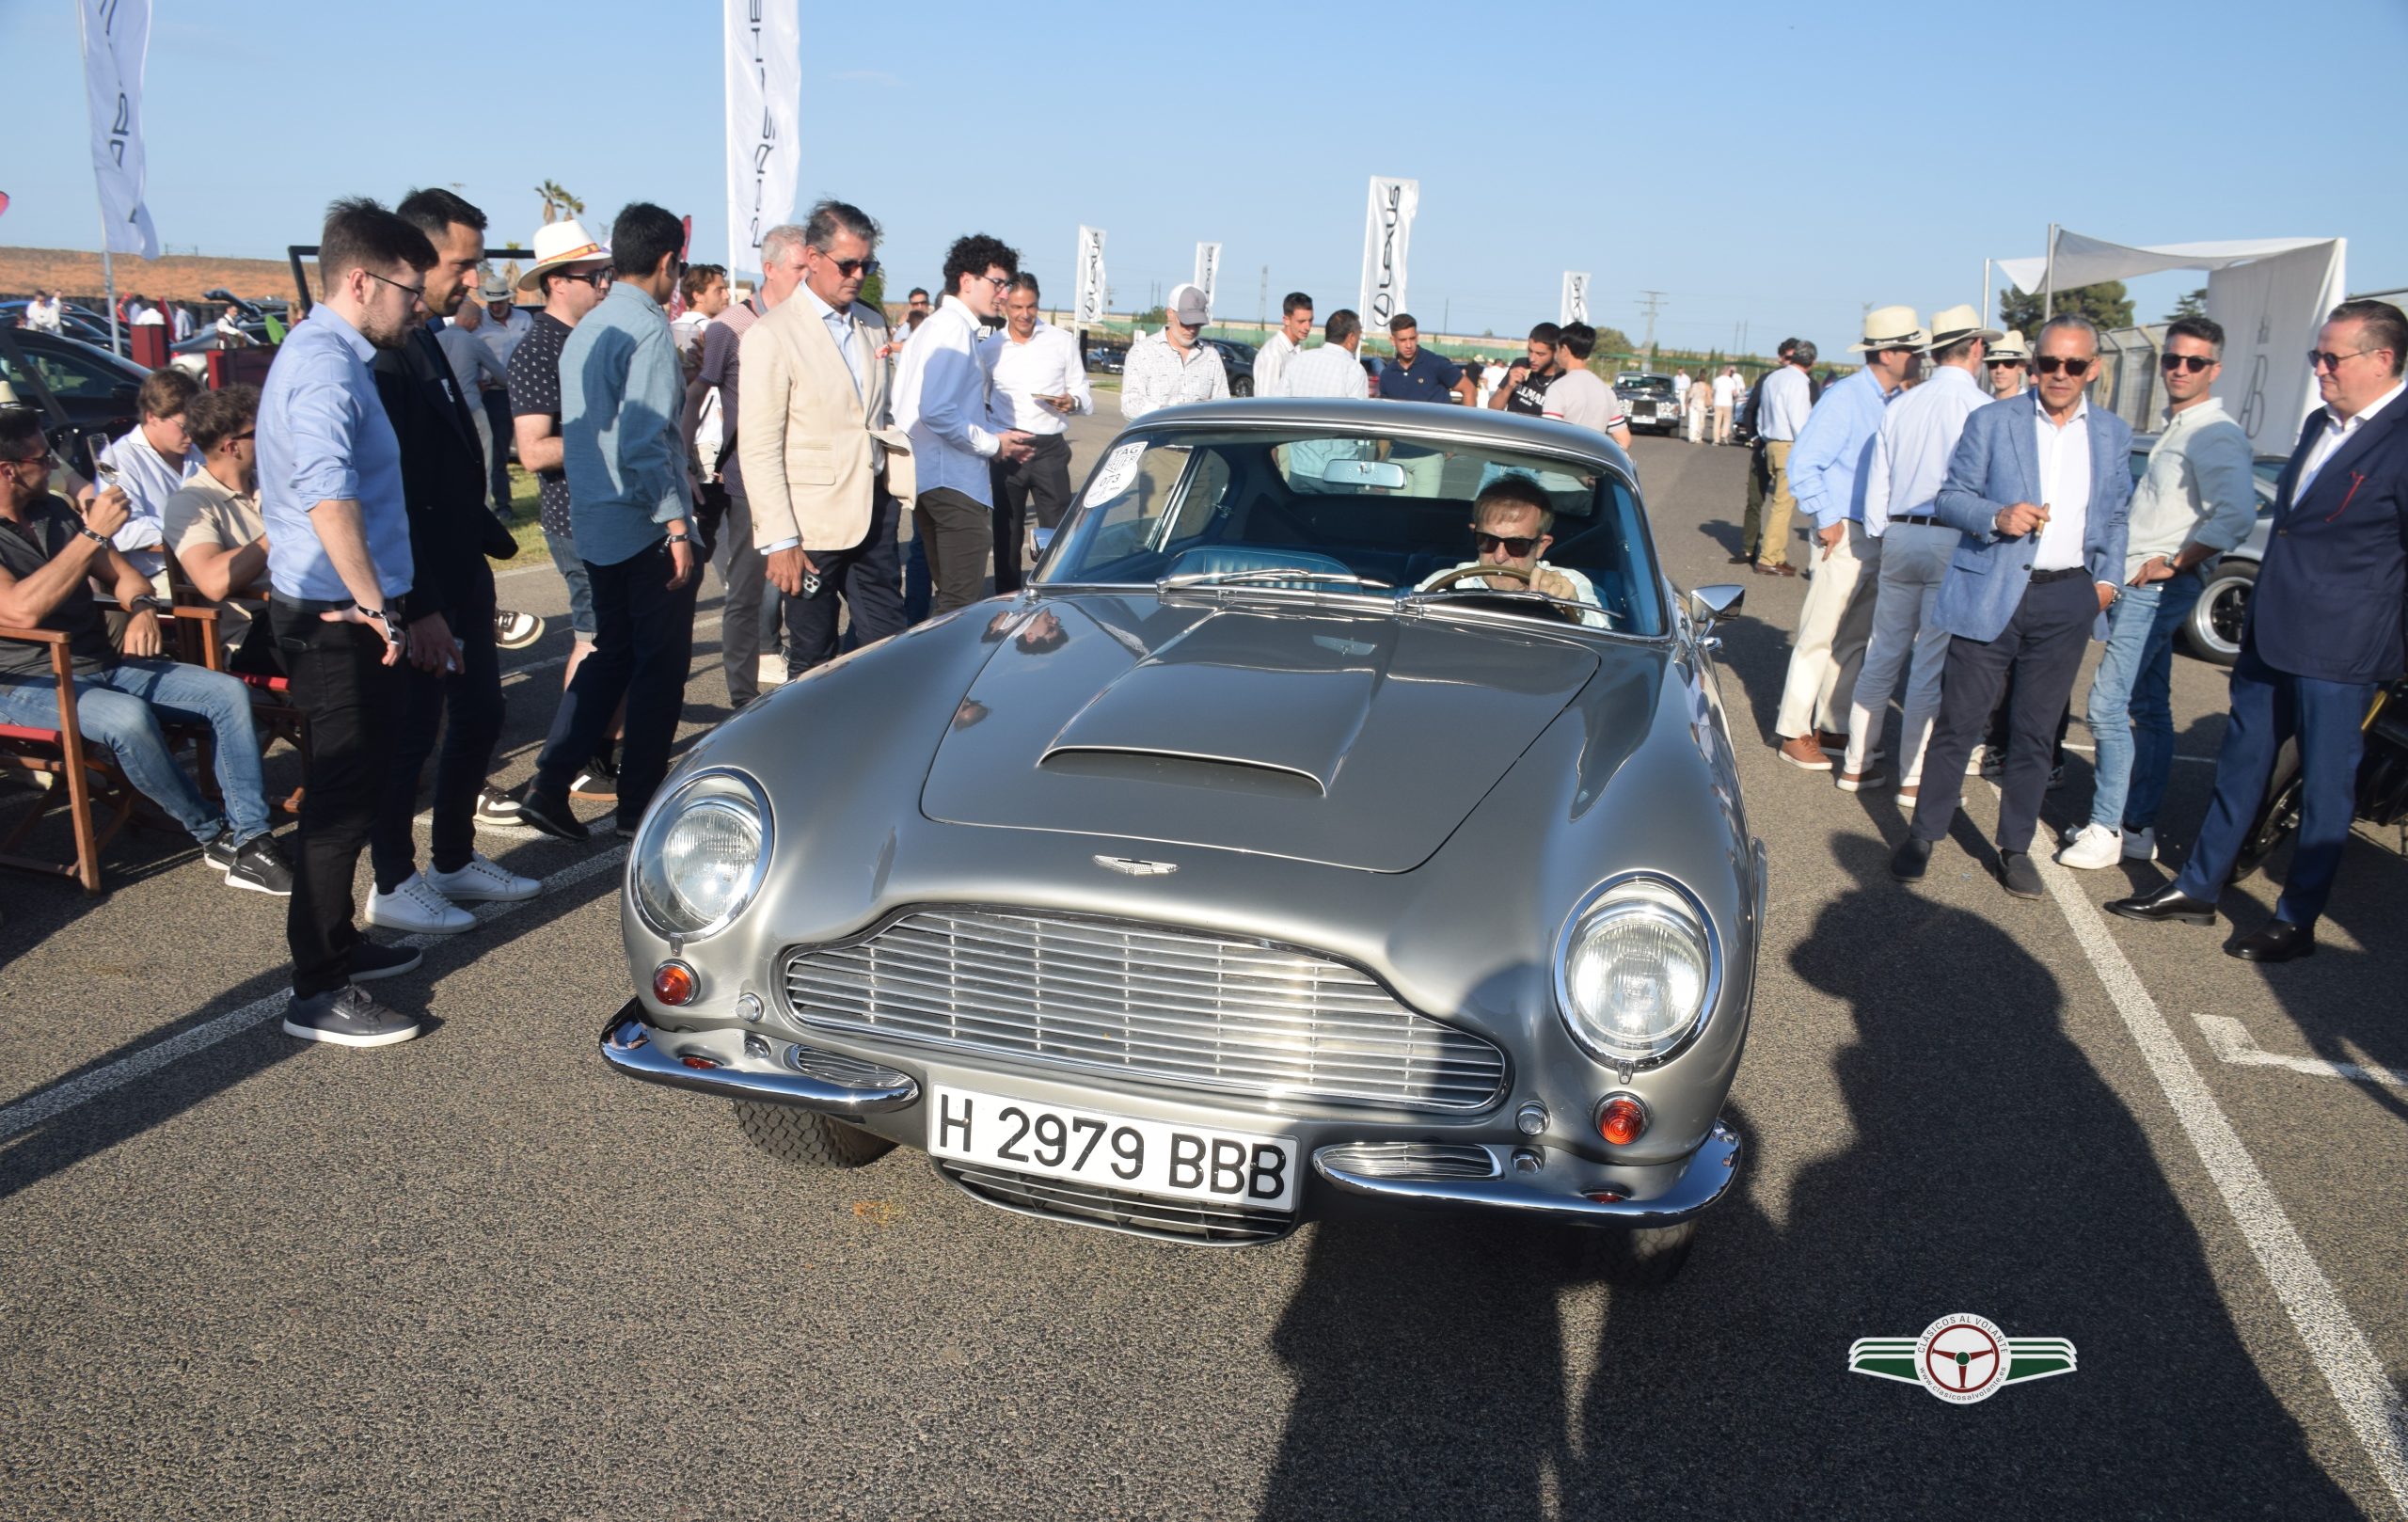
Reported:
(771, 668)
(2097, 846)
(2140, 844)
(416, 908)
(483, 881)
(1977, 761)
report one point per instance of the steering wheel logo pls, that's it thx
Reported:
(1962, 1358)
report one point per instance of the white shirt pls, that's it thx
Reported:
(1783, 405)
(1271, 364)
(231, 332)
(2199, 485)
(941, 400)
(182, 325)
(2337, 431)
(1331, 370)
(686, 329)
(1579, 397)
(148, 479)
(1917, 434)
(503, 337)
(1583, 589)
(42, 316)
(1155, 376)
(2065, 486)
(149, 317)
(467, 358)
(1681, 385)
(1725, 387)
(1047, 365)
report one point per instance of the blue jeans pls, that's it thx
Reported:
(119, 708)
(580, 584)
(2131, 713)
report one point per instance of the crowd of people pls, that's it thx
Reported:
(1974, 523)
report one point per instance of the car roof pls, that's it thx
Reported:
(1380, 419)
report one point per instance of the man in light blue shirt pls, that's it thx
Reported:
(339, 563)
(622, 393)
(1828, 467)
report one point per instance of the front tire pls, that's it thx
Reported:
(2213, 629)
(1634, 1257)
(807, 1138)
(1242, 386)
(2276, 817)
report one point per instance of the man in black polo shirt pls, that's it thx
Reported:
(1418, 374)
(1526, 383)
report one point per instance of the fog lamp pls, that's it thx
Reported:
(1622, 1119)
(673, 983)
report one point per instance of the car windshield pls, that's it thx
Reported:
(1646, 382)
(1297, 511)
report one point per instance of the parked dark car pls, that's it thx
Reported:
(1649, 401)
(84, 392)
(1107, 358)
(74, 321)
(1238, 361)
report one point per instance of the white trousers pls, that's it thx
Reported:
(1914, 559)
(1833, 630)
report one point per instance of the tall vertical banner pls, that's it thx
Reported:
(1208, 270)
(1576, 297)
(2265, 307)
(116, 41)
(763, 141)
(1088, 308)
(1386, 235)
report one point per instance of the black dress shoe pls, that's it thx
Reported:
(2017, 874)
(2275, 940)
(1913, 858)
(2167, 903)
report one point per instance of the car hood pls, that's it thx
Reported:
(1358, 742)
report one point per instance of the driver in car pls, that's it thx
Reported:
(1511, 524)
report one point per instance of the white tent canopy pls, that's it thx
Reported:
(2270, 295)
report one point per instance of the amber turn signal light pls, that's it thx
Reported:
(673, 983)
(1622, 1119)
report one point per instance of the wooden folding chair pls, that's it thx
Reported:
(84, 778)
(204, 644)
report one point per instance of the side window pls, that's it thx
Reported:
(1200, 496)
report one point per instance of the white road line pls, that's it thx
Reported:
(2369, 1403)
(2230, 1040)
(52, 1103)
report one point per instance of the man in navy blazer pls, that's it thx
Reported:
(2324, 631)
(2039, 487)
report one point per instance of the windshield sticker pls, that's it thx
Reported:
(1119, 469)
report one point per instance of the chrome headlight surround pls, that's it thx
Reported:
(1633, 909)
(719, 798)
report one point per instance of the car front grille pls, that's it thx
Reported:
(1141, 1002)
(1149, 1215)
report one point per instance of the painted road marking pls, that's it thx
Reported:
(52, 1103)
(2230, 1040)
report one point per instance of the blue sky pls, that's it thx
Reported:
(1779, 166)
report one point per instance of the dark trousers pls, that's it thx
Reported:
(1995, 735)
(919, 588)
(867, 577)
(960, 538)
(643, 640)
(468, 708)
(1041, 482)
(497, 405)
(2041, 647)
(349, 698)
(2269, 707)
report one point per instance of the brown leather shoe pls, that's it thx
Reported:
(1775, 569)
(1804, 751)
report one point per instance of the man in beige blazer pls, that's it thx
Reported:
(824, 468)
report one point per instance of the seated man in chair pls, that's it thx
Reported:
(1512, 524)
(215, 527)
(49, 558)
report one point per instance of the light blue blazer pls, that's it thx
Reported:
(1997, 464)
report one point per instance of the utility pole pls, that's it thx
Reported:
(1654, 297)
(1262, 300)
(1447, 315)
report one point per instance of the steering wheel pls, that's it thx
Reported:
(1464, 573)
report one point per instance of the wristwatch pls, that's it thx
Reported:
(382, 617)
(678, 539)
(100, 539)
(151, 604)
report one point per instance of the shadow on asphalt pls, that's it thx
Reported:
(94, 1126)
(1982, 1166)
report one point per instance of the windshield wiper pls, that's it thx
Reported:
(1267, 573)
(1449, 593)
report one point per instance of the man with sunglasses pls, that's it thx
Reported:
(2324, 631)
(2038, 491)
(1512, 524)
(2197, 500)
(2008, 365)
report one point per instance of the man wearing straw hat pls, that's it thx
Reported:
(1828, 467)
(2010, 365)
(1909, 464)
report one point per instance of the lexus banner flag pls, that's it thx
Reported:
(764, 144)
(116, 41)
(1208, 270)
(1386, 235)
(1091, 290)
(1575, 297)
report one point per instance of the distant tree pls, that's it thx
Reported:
(558, 203)
(2107, 304)
(874, 292)
(1152, 317)
(2194, 303)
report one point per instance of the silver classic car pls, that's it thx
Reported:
(1343, 817)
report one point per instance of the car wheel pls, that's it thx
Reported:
(1242, 386)
(2213, 631)
(1633, 1257)
(2276, 815)
(808, 1138)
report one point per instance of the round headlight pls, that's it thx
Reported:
(1636, 971)
(702, 854)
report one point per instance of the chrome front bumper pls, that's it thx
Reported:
(761, 1067)
(1543, 1182)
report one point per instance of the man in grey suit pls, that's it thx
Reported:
(2039, 487)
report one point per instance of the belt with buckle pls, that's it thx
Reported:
(2061, 574)
(1921, 518)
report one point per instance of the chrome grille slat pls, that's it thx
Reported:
(1188, 1008)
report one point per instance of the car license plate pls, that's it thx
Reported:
(1110, 1151)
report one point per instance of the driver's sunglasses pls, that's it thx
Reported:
(1514, 546)
(2049, 364)
(2192, 362)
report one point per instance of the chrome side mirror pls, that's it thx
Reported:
(1709, 605)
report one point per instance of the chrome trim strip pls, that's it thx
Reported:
(1708, 1176)
(801, 1076)
(1190, 1223)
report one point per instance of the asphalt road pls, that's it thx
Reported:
(479, 1275)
